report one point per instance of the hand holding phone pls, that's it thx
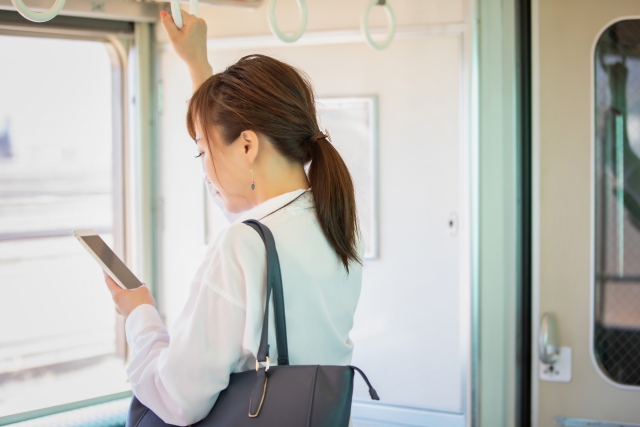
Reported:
(108, 260)
(126, 290)
(126, 300)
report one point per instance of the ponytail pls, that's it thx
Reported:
(334, 199)
(273, 98)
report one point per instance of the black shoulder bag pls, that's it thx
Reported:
(278, 396)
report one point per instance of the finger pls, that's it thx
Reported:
(169, 25)
(185, 15)
(111, 284)
(187, 18)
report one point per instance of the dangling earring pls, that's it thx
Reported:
(253, 180)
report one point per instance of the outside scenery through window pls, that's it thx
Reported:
(58, 323)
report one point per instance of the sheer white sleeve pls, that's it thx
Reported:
(179, 377)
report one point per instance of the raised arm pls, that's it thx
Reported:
(190, 43)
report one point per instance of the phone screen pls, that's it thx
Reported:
(111, 260)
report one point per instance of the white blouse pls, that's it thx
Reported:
(180, 376)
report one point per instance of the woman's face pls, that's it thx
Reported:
(227, 169)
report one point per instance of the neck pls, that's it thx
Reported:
(276, 178)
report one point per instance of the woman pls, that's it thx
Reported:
(255, 128)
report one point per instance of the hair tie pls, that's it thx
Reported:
(319, 135)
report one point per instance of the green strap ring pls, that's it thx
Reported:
(273, 25)
(392, 24)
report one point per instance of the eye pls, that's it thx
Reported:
(199, 155)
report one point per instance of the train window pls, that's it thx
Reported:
(60, 334)
(617, 202)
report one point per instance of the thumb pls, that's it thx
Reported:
(169, 25)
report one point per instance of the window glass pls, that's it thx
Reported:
(617, 195)
(58, 333)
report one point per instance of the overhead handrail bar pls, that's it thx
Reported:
(392, 24)
(38, 16)
(273, 25)
(177, 16)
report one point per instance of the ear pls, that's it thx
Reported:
(250, 145)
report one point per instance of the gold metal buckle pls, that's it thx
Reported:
(266, 366)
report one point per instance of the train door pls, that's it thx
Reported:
(586, 106)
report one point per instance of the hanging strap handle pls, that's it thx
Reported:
(175, 11)
(274, 283)
(38, 16)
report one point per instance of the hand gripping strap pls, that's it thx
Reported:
(274, 281)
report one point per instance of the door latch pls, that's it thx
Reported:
(555, 361)
(548, 345)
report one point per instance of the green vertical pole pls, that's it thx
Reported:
(620, 190)
(146, 155)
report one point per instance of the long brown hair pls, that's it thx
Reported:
(276, 100)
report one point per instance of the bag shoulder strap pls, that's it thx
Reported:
(274, 283)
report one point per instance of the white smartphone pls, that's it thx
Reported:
(109, 261)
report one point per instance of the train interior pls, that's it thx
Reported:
(493, 147)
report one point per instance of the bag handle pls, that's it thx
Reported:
(274, 282)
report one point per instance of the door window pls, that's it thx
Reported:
(617, 196)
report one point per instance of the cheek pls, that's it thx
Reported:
(227, 180)
(210, 171)
(219, 176)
